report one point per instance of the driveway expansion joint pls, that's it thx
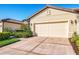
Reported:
(38, 44)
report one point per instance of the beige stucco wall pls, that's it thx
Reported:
(78, 24)
(55, 16)
(25, 22)
(12, 26)
(0, 26)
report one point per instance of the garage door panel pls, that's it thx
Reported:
(57, 30)
(41, 30)
(51, 29)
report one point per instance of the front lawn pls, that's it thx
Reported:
(8, 41)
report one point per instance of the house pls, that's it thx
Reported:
(55, 22)
(10, 24)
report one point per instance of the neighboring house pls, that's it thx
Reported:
(26, 22)
(55, 22)
(10, 24)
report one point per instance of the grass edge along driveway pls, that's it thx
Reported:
(8, 41)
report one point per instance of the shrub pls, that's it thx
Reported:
(18, 34)
(4, 35)
(77, 43)
(75, 37)
(26, 32)
(23, 34)
(19, 30)
(29, 33)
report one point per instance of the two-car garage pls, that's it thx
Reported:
(53, 29)
(53, 22)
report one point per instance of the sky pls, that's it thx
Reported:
(23, 11)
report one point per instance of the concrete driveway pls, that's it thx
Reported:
(39, 46)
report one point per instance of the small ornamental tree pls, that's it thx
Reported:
(24, 27)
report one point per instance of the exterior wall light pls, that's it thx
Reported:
(71, 22)
(75, 21)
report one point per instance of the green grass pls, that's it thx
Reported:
(8, 41)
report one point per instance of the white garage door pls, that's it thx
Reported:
(51, 29)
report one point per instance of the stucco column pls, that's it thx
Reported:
(32, 26)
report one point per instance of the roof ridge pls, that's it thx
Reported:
(53, 7)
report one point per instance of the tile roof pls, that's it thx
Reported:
(10, 20)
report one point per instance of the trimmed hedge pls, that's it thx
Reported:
(4, 35)
(19, 34)
(23, 34)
